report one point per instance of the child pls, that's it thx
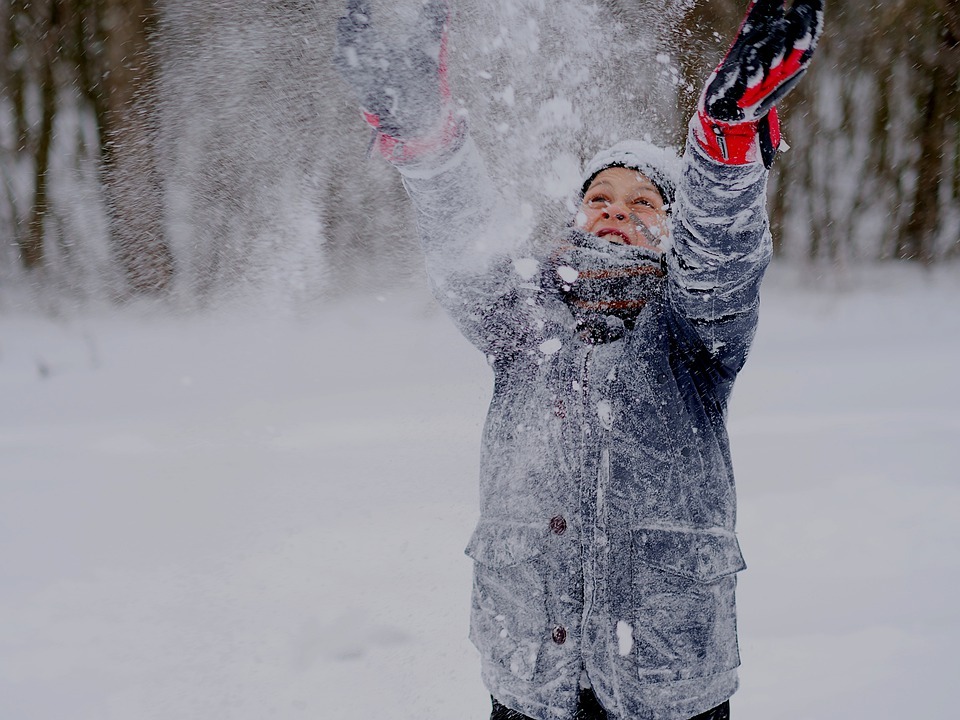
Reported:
(605, 554)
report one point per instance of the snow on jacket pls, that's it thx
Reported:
(605, 549)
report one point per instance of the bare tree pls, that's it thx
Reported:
(938, 64)
(52, 49)
(225, 145)
(32, 40)
(873, 171)
(130, 126)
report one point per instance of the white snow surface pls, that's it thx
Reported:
(223, 517)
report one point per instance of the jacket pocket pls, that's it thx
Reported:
(697, 555)
(508, 618)
(684, 610)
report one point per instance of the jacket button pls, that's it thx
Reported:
(560, 409)
(558, 525)
(559, 634)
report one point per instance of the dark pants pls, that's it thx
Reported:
(589, 708)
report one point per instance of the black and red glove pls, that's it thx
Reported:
(400, 80)
(736, 121)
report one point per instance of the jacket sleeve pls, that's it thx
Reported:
(470, 258)
(721, 248)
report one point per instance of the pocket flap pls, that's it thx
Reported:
(700, 555)
(502, 544)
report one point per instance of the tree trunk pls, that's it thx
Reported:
(32, 245)
(132, 176)
(917, 240)
(778, 208)
(31, 248)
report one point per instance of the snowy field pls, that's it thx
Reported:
(220, 517)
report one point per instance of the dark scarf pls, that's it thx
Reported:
(612, 286)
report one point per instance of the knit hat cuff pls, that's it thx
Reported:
(660, 165)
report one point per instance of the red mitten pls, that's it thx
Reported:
(736, 121)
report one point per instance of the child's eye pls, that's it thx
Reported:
(598, 199)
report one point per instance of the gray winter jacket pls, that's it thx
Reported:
(605, 550)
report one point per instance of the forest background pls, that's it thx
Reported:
(193, 149)
(238, 443)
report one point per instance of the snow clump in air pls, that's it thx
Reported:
(568, 274)
(624, 637)
(551, 346)
(526, 267)
(605, 413)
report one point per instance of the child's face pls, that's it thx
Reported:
(623, 206)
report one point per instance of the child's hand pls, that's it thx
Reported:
(399, 80)
(770, 54)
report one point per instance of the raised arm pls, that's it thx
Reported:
(401, 84)
(722, 240)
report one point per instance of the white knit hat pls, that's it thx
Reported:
(660, 165)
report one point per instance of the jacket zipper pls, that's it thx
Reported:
(587, 535)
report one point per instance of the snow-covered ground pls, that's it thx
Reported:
(221, 517)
